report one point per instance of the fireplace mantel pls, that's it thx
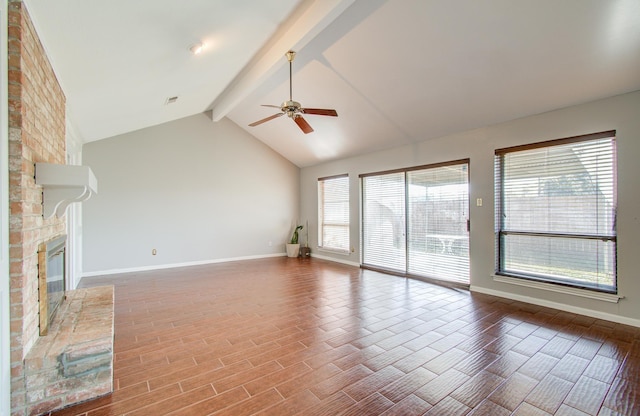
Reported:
(64, 184)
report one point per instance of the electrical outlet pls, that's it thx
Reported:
(154, 252)
(479, 202)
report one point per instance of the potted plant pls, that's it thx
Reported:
(293, 247)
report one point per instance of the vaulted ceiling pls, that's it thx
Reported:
(396, 71)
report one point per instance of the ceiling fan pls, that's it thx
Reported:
(294, 109)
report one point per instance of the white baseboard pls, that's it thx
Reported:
(174, 265)
(321, 257)
(560, 306)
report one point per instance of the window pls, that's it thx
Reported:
(415, 221)
(333, 213)
(556, 211)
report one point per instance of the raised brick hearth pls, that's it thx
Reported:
(74, 362)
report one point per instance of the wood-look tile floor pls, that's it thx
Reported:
(307, 337)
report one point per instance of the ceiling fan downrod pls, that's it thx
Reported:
(290, 57)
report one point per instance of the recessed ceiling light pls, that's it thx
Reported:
(196, 48)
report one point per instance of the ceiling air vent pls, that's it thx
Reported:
(171, 100)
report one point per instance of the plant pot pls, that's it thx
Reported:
(293, 250)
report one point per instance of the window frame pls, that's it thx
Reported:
(499, 221)
(321, 216)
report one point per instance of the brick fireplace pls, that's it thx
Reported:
(36, 134)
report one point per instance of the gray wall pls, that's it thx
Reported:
(194, 190)
(621, 113)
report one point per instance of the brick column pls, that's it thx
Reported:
(36, 134)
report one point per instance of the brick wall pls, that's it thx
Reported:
(36, 134)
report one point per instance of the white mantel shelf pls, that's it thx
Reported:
(63, 185)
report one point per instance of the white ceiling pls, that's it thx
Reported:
(396, 71)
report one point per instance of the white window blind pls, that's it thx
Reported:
(333, 213)
(415, 221)
(383, 221)
(556, 211)
(438, 212)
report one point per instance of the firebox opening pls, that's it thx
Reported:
(51, 279)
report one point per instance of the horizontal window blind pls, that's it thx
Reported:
(333, 212)
(438, 211)
(383, 221)
(556, 211)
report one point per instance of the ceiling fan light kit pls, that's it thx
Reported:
(294, 109)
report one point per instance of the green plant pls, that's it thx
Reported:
(294, 237)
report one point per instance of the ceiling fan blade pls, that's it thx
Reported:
(264, 120)
(302, 123)
(320, 112)
(271, 105)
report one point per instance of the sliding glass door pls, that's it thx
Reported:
(416, 221)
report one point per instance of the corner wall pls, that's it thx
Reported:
(36, 134)
(618, 113)
(194, 190)
(5, 332)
